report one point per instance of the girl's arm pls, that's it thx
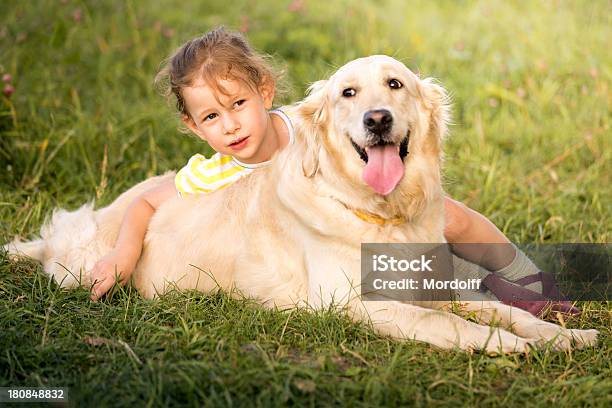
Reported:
(121, 260)
(465, 227)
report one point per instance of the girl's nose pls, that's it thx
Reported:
(230, 125)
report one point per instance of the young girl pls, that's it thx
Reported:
(224, 91)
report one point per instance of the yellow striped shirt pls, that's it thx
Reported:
(202, 175)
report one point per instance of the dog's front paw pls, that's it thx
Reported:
(500, 341)
(584, 338)
(558, 337)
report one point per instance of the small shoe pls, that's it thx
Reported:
(550, 291)
(514, 293)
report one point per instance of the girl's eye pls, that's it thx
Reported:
(210, 117)
(395, 84)
(240, 102)
(349, 92)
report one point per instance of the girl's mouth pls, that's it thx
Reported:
(240, 143)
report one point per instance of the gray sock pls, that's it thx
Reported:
(520, 267)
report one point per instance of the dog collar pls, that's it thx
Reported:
(377, 219)
(373, 218)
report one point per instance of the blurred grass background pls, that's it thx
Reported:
(530, 82)
(529, 148)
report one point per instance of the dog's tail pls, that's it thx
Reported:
(32, 249)
(68, 246)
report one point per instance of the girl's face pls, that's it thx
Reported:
(236, 124)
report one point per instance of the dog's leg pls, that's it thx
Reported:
(525, 324)
(442, 329)
(333, 273)
(333, 277)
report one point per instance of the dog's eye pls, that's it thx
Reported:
(395, 84)
(348, 92)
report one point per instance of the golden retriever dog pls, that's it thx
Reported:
(365, 167)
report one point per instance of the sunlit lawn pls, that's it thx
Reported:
(529, 147)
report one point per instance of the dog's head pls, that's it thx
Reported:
(376, 124)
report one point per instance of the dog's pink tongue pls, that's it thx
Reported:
(384, 168)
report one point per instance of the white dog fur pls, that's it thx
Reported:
(289, 233)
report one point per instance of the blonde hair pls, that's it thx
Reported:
(218, 54)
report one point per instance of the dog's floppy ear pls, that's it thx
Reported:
(437, 101)
(314, 113)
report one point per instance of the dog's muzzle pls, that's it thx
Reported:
(382, 155)
(378, 124)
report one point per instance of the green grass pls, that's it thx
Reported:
(529, 148)
(189, 348)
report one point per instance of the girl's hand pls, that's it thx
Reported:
(121, 261)
(114, 265)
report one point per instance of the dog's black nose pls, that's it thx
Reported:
(378, 121)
